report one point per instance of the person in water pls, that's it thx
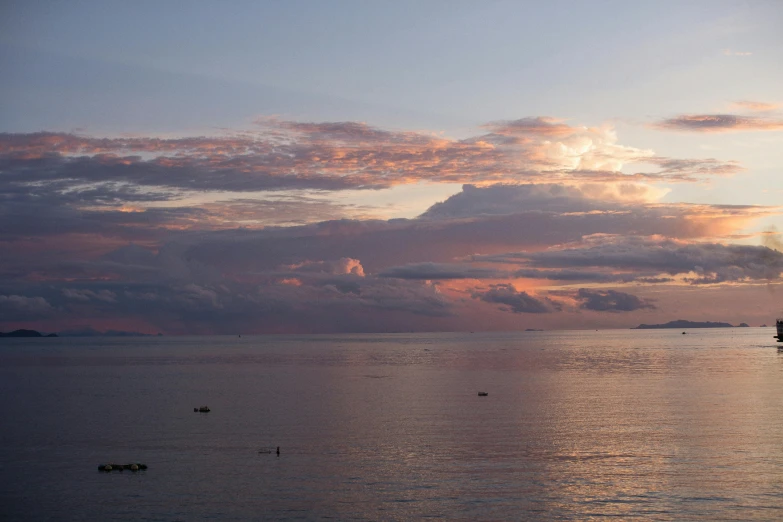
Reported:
(278, 451)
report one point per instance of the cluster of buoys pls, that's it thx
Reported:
(202, 409)
(120, 467)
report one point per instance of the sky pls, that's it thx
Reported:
(317, 167)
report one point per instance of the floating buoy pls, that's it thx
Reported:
(119, 467)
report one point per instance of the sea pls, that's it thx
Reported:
(576, 425)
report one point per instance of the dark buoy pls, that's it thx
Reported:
(683, 333)
(135, 466)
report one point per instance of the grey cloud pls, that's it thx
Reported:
(571, 275)
(233, 280)
(708, 123)
(515, 301)
(435, 271)
(383, 244)
(87, 295)
(692, 168)
(23, 308)
(498, 200)
(714, 262)
(205, 302)
(610, 301)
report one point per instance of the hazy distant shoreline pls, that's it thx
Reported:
(681, 323)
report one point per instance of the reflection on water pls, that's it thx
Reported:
(635, 424)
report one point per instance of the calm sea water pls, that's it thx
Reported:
(631, 424)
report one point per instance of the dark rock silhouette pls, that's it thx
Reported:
(681, 323)
(26, 333)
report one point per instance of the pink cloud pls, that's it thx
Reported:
(330, 156)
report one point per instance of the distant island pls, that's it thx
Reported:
(26, 333)
(80, 332)
(86, 331)
(681, 323)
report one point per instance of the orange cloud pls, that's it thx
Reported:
(756, 106)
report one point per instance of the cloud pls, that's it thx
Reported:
(772, 239)
(571, 275)
(697, 263)
(499, 200)
(692, 169)
(436, 271)
(23, 308)
(343, 266)
(236, 232)
(610, 301)
(476, 221)
(515, 301)
(86, 295)
(340, 299)
(280, 210)
(539, 126)
(715, 123)
(384, 244)
(284, 155)
(756, 106)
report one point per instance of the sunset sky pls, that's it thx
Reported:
(308, 167)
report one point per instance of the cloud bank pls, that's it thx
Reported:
(246, 232)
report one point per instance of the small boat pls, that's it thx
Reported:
(483, 394)
(202, 409)
(779, 326)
